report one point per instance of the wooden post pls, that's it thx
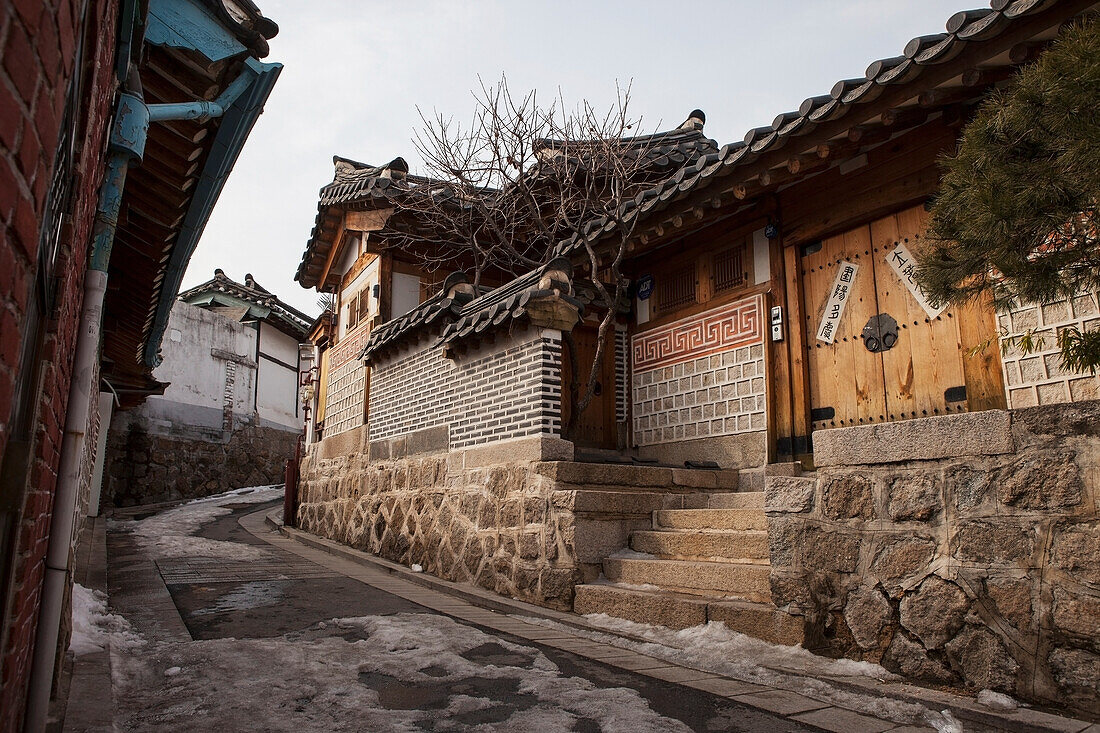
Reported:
(799, 372)
(385, 287)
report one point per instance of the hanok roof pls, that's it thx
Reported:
(249, 300)
(440, 309)
(355, 186)
(932, 73)
(462, 316)
(359, 186)
(190, 51)
(498, 308)
(662, 151)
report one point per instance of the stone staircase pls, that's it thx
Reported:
(695, 565)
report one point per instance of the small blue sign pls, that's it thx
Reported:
(645, 287)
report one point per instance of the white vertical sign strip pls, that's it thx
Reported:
(837, 302)
(903, 263)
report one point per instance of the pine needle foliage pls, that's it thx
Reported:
(1017, 213)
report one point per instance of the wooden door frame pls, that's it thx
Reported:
(608, 380)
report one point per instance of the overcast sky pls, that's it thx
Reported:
(356, 70)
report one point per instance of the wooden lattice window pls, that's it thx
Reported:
(675, 289)
(730, 268)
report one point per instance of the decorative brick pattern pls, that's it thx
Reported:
(622, 374)
(1039, 378)
(712, 332)
(709, 389)
(347, 382)
(503, 391)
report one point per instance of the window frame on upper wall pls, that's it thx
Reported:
(701, 258)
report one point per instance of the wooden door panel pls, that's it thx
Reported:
(596, 425)
(927, 371)
(926, 361)
(844, 376)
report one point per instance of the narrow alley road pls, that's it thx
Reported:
(228, 632)
(214, 620)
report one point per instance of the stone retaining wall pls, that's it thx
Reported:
(493, 525)
(145, 468)
(516, 517)
(978, 564)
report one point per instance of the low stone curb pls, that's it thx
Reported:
(782, 702)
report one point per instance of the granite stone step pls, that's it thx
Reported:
(747, 579)
(688, 544)
(680, 611)
(625, 476)
(710, 519)
(738, 500)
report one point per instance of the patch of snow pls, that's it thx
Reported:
(172, 671)
(326, 683)
(715, 648)
(416, 568)
(944, 722)
(628, 554)
(171, 533)
(94, 627)
(997, 700)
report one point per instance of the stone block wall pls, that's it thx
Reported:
(976, 565)
(701, 376)
(1039, 378)
(499, 526)
(146, 468)
(505, 390)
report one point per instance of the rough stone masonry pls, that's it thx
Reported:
(962, 549)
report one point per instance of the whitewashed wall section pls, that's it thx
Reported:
(1039, 378)
(701, 376)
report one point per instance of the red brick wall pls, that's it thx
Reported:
(38, 41)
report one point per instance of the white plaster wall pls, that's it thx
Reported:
(365, 280)
(195, 397)
(277, 391)
(406, 293)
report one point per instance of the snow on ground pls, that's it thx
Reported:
(171, 533)
(369, 673)
(94, 627)
(998, 700)
(715, 648)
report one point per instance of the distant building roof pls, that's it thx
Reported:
(238, 302)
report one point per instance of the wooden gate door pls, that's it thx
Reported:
(596, 425)
(913, 363)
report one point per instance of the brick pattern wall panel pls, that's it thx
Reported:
(622, 374)
(346, 385)
(1039, 378)
(505, 391)
(701, 376)
(415, 390)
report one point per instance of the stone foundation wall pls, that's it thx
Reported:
(145, 468)
(960, 550)
(501, 526)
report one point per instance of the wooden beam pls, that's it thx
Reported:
(1023, 53)
(985, 77)
(900, 118)
(943, 97)
(869, 134)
